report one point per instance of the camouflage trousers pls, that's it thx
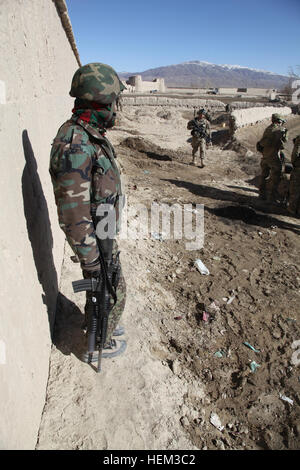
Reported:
(271, 168)
(117, 310)
(201, 144)
(294, 190)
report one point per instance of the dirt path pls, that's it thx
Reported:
(164, 391)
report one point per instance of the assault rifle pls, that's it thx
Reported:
(103, 289)
(197, 130)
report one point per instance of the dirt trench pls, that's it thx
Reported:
(211, 361)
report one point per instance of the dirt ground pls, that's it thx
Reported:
(187, 379)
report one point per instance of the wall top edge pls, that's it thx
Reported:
(62, 11)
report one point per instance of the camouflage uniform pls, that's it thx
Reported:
(199, 137)
(294, 189)
(271, 143)
(232, 126)
(84, 175)
(119, 103)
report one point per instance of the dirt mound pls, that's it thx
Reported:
(137, 143)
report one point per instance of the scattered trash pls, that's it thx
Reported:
(254, 366)
(157, 236)
(201, 267)
(284, 398)
(216, 422)
(216, 258)
(292, 320)
(224, 299)
(251, 347)
(214, 306)
(205, 316)
(231, 299)
(220, 353)
(178, 318)
(222, 332)
(146, 172)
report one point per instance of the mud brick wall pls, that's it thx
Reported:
(36, 67)
(214, 105)
(246, 117)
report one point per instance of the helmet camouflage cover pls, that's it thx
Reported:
(277, 118)
(96, 82)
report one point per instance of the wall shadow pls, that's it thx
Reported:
(265, 220)
(39, 229)
(68, 336)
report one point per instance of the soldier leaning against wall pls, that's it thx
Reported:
(270, 145)
(86, 177)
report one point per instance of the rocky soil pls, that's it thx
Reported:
(212, 361)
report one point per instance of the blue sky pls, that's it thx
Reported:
(134, 36)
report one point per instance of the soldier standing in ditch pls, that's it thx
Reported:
(85, 175)
(232, 127)
(200, 128)
(294, 189)
(271, 143)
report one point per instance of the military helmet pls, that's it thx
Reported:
(201, 111)
(96, 82)
(277, 118)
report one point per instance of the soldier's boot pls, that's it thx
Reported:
(195, 161)
(119, 331)
(112, 349)
(274, 198)
(201, 163)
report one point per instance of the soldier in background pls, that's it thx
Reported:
(232, 126)
(119, 103)
(294, 189)
(200, 131)
(208, 115)
(271, 143)
(85, 175)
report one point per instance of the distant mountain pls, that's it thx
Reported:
(204, 74)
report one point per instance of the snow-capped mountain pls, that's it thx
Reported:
(205, 74)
